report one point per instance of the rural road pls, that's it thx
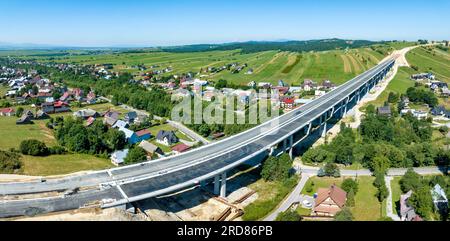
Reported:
(291, 199)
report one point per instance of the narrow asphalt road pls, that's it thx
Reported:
(290, 200)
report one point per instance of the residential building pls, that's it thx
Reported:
(120, 124)
(86, 113)
(111, 117)
(7, 112)
(143, 135)
(180, 148)
(384, 111)
(439, 198)
(130, 117)
(151, 149)
(167, 138)
(407, 213)
(329, 201)
(118, 157)
(41, 115)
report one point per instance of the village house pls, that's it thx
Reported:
(90, 121)
(151, 149)
(423, 76)
(111, 117)
(120, 124)
(407, 213)
(130, 117)
(439, 198)
(118, 157)
(440, 111)
(27, 118)
(287, 103)
(329, 201)
(180, 148)
(85, 114)
(41, 115)
(167, 138)
(384, 111)
(7, 112)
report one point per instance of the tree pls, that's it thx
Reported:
(136, 155)
(289, 216)
(115, 139)
(344, 215)
(19, 111)
(318, 155)
(331, 170)
(380, 183)
(351, 198)
(422, 202)
(10, 162)
(393, 97)
(380, 164)
(410, 181)
(277, 168)
(349, 185)
(33, 148)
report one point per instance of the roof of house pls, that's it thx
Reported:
(170, 135)
(181, 148)
(119, 156)
(438, 193)
(85, 113)
(90, 121)
(336, 194)
(7, 110)
(120, 124)
(143, 132)
(384, 110)
(128, 133)
(131, 115)
(149, 147)
(404, 207)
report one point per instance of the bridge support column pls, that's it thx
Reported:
(284, 145)
(291, 147)
(324, 133)
(223, 186)
(217, 185)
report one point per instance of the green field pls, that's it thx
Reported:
(62, 164)
(431, 59)
(367, 207)
(270, 66)
(12, 134)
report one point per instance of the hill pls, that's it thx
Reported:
(292, 46)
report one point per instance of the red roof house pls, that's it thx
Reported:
(180, 148)
(330, 201)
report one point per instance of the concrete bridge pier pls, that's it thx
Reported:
(223, 186)
(217, 185)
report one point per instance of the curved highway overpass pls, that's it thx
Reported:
(123, 185)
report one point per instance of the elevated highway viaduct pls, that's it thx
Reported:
(210, 163)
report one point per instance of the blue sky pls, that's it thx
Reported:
(172, 22)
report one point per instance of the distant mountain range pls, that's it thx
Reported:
(246, 47)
